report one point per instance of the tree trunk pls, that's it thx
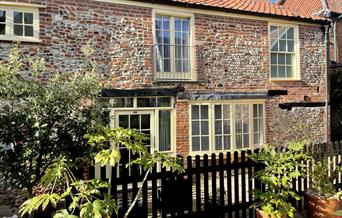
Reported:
(137, 196)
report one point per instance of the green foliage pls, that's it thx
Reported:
(39, 202)
(44, 115)
(321, 182)
(280, 168)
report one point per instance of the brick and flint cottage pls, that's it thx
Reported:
(198, 76)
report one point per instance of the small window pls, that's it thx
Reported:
(283, 52)
(173, 47)
(258, 124)
(200, 127)
(19, 24)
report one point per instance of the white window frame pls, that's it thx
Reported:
(9, 31)
(211, 115)
(192, 53)
(296, 65)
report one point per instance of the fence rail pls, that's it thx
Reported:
(211, 186)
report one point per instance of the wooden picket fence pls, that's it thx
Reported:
(211, 186)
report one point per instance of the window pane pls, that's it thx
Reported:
(195, 128)
(164, 102)
(274, 32)
(165, 130)
(146, 102)
(205, 143)
(158, 22)
(185, 25)
(281, 59)
(290, 46)
(166, 23)
(186, 52)
(186, 66)
(18, 30)
(18, 17)
(218, 127)
(288, 59)
(167, 65)
(218, 142)
(290, 33)
(282, 45)
(123, 121)
(274, 58)
(179, 66)
(204, 128)
(28, 30)
(274, 45)
(282, 32)
(159, 36)
(204, 111)
(2, 29)
(28, 18)
(2, 16)
(121, 102)
(246, 141)
(226, 142)
(167, 51)
(195, 143)
(185, 39)
(289, 71)
(226, 127)
(178, 51)
(274, 71)
(195, 112)
(166, 37)
(239, 141)
(281, 71)
(134, 122)
(218, 111)
(178, 24)
(226, 111)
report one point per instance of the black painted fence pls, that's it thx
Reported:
(211, 186)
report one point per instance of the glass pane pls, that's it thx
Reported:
(274, 32)
(288, 59)
(28, 30)
(166, 23)
(123, 121)
(290, 46)
(195, 128)
(165, 130)
(134, 122)
(289, 71)
(178, 24)
(186, 65)
(226, 127)
(226, 142)
(164, 102)
(159, 36)
(178, 51)
(281, 71)
(158, 22)
(274, 58)
(282, 32)
(218, 142)
(121, 102)
(274, 45)
(205, 143)
(261, 110)
(255, 110)
(218, 127)
(246, 140)
(2, 16)
(274, 71)
(218, 111)
(147, 102)
(282, 45)
(186, 52)
(256, 138)
(18, 17)
(2, 29)
(167, 65)
(179, 67)
(178, 38)
(166, 51)
(28, 18)
(226, 111)
(255, 125)
(145, 121)
(281, 59)
(195, 143)
(204, 111)
(290, 33)
(185, 37)
(239, 141)
(166, 37)
(195, 112)
(18, 30)
(185, 25)
(204, 128)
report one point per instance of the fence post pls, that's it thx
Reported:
(189, 169)
(229, 184)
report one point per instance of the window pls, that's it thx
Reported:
(283, 52)
(19, 24)
(217, 127)
(173, 47)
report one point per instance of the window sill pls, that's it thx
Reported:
(158, 81)
(285, 80)
(19, 39)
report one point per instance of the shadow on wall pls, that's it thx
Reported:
(336, 104)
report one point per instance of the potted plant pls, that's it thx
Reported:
(278, 169)
(321, 198)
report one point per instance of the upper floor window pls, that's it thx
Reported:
(173, 51)
(19, 24)
(284, 52)
(217, 127)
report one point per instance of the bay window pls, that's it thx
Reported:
(217, 127)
